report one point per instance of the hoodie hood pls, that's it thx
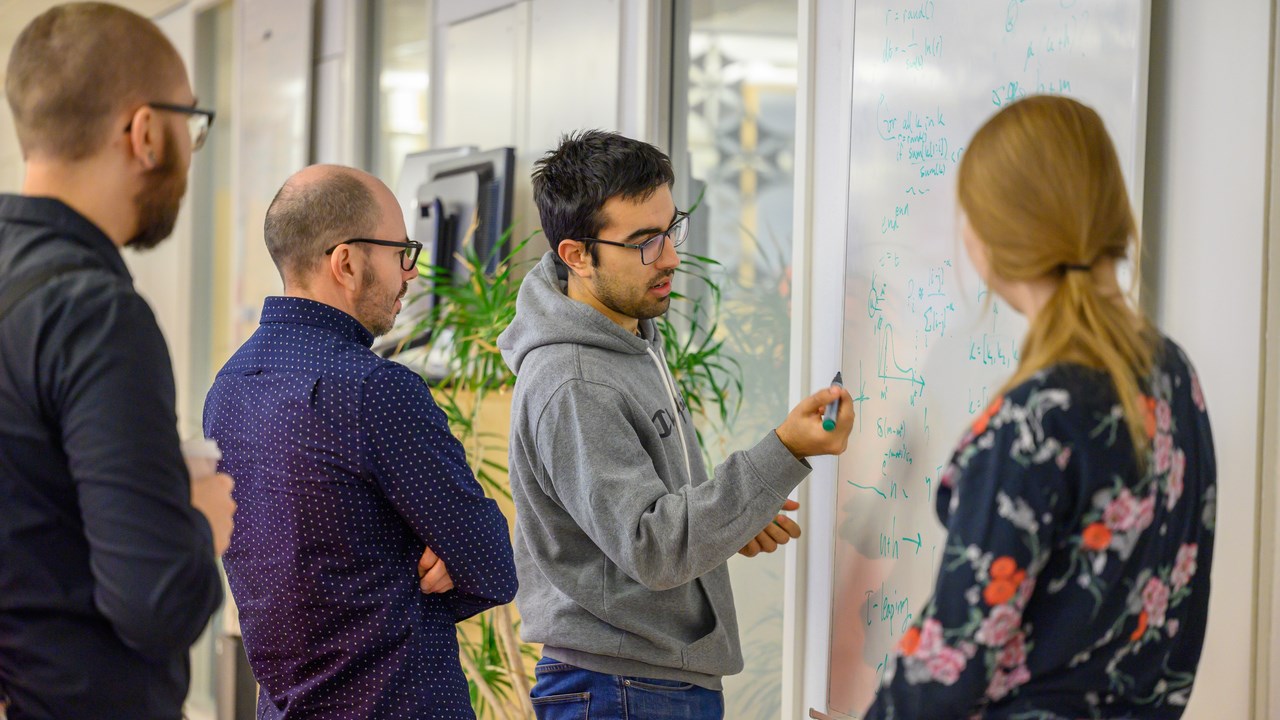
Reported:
(545, 315)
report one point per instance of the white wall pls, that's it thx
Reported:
(163, 275)
(11, 170)
(522, 72)
(1205, 214)
(1205, 220)
(273, 133)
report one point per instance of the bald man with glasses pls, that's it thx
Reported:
(362, 535)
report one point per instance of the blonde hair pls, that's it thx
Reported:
(1042, 188)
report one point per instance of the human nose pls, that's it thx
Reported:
(668, 258)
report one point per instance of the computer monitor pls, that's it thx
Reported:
(475, 194)
(450, 197)
(415, 171)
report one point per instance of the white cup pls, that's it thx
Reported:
(202, 455)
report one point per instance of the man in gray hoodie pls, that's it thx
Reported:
(621, 537)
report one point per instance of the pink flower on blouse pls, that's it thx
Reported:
(1164, 452)
(1164, 416)
(1002, 683)
(1121, 514)
(1184, 566)
(1176, 473)
(1014, 652)
(1000, 626)
(1146, 512)
(930, 638)
(1155, 600)
(946, 665)
(1023, 597)
(1063, 458)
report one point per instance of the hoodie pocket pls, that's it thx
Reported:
(708, 653)
(716, 652)
(678, 628)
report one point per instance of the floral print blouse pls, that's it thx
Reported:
(1073, 584)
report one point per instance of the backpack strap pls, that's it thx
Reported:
(22, 287)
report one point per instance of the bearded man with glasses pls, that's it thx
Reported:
(622, 539)
(108, 568)
(362, 537)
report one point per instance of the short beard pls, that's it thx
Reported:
(159, 201)
(617, 298)
(373, 309)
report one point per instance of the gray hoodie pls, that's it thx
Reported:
(621, 539)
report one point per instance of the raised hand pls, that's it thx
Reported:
(802, 431)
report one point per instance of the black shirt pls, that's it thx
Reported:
(107, 573)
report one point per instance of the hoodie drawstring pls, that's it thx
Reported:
(675, 406)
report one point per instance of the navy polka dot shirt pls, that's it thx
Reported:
(345, 469)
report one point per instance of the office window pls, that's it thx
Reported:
(399, 83)
(734, 136)
(209, 202)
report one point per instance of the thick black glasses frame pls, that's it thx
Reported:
(197, 138)
(408, 258)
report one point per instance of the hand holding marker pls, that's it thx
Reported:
(829, 424)
(833, 407)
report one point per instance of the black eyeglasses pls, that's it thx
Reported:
(408, 257)
(651, 249)
(198, 121)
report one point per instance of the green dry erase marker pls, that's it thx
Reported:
(833, 407)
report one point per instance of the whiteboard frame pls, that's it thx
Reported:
(1267, 652)
(827, 65)
(811, 562)
(796, 566)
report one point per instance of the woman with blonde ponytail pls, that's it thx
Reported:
(1080, 507)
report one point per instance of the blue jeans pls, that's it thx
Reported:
(566, 692)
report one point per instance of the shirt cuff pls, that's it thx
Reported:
(775, 467)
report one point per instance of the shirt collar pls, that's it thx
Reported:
(301, 311)
(57, 215)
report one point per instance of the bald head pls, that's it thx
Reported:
(78, 67)
(317, 208)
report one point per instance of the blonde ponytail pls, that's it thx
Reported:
(1079, 325)
(1041, 186)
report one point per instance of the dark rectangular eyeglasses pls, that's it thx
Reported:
(198, 121)
(408, 256)
(651, 248)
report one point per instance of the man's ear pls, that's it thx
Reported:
(346, 266)
(576, 256)
(145, 137)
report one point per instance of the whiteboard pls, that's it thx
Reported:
(922, 353)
